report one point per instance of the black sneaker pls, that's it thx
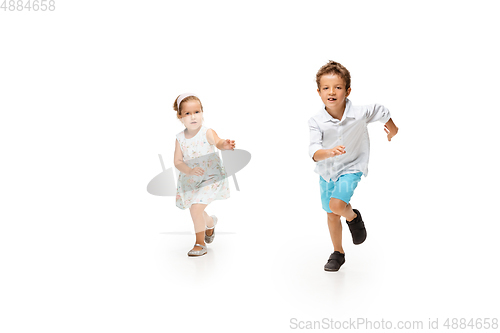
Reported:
(336, 260)
(357, 228)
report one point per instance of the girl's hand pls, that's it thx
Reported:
(228, 144)
(339, 150)
(196, 172)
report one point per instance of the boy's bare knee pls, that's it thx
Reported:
(333, 216)
(337, 206)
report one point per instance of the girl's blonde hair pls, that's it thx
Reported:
(189, 98)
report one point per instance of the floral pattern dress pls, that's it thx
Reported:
(213, 185)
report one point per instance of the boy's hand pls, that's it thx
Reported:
(197, 171)
(391, 129)
(323, 154)
(228, 144)
(339, 150)
(390, 134)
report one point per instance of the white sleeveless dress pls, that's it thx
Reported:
(213, 185)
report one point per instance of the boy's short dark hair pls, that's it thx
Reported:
(333, 67)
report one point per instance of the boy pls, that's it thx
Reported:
(341, 148)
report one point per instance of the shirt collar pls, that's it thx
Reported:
(348, 113)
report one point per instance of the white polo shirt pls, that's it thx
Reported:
(351, 132)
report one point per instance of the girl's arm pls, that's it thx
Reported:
(221, 144)
(181, 166)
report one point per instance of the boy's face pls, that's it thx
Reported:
(332, 91)
(192, 116)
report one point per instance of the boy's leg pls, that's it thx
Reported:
(341, 208)
(342, 193)
(353, 219)
(335, 227)
(337, 258)
(339, 204)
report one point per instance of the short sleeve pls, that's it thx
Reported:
(377, 112)
(316, 137)
(179, 136)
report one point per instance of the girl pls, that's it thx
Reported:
(202, 177)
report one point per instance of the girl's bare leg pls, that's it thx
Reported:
(209, 223)
(198, 215)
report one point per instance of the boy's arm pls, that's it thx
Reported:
(391, 129)
(316, 150)
(316, 139)
(377, 112)
(323, 154)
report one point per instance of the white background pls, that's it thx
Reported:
(86, 95)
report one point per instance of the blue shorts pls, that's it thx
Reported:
(343, 189)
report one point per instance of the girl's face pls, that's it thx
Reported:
(192, 116)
